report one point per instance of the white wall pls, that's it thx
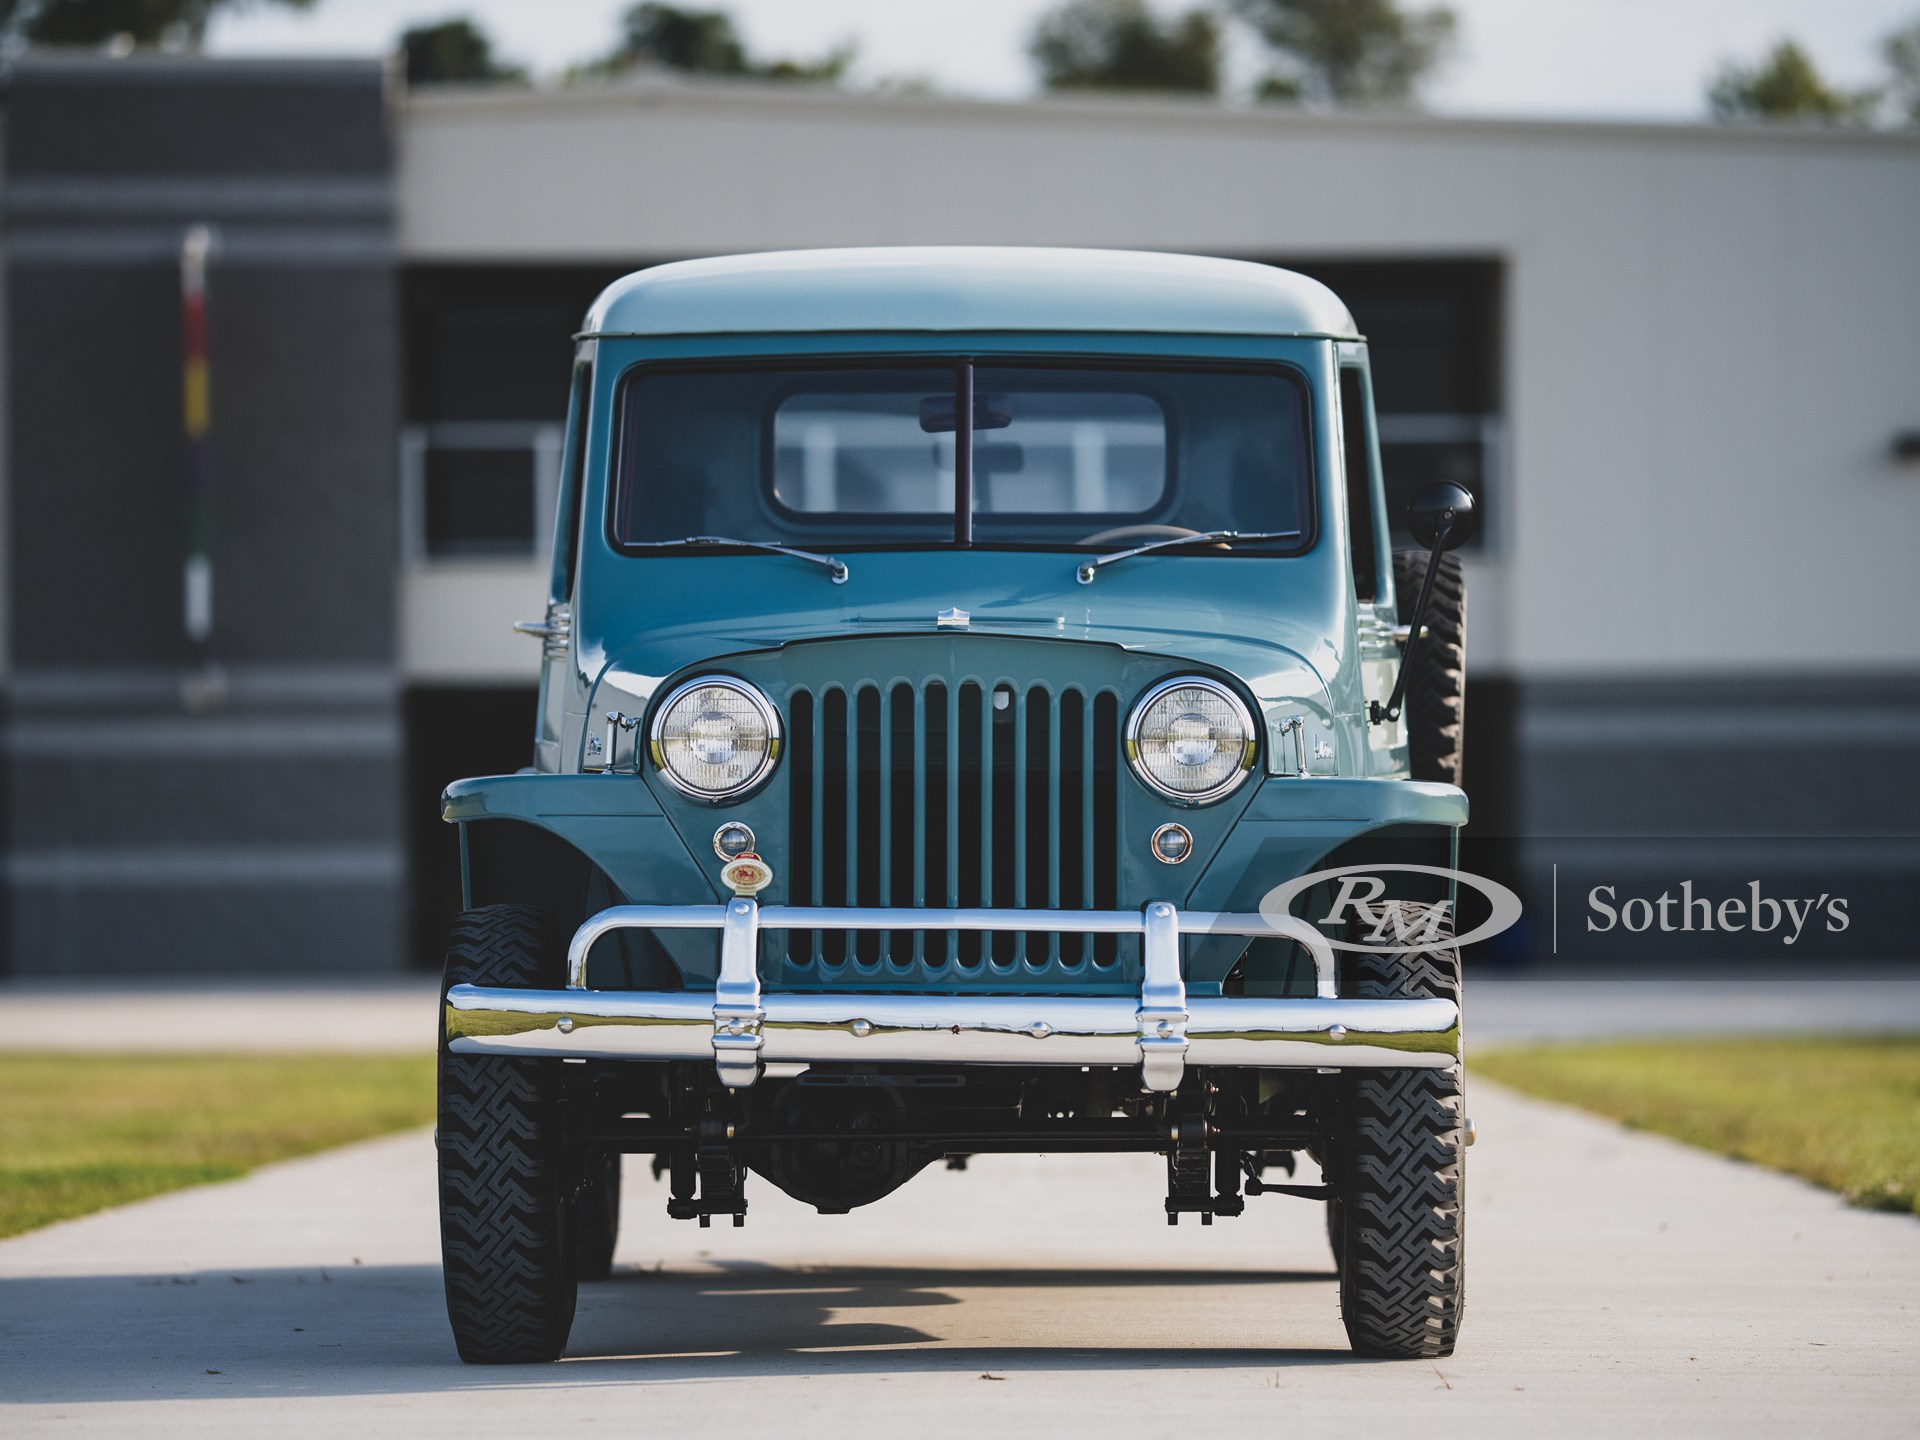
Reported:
(1711, 334)
(457, 618)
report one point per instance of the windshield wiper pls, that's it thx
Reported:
(1087, 571)
(834, 567)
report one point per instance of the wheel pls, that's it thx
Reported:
(1399, 1172)
(507, 1178)
(1436, 700)
(596, 1218)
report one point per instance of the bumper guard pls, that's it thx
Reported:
(741, 1029)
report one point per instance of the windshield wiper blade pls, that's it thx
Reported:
(1087, 571)
(835, 567)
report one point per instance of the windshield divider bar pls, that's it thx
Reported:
(963, 456)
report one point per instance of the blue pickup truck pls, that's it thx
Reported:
(972, 680)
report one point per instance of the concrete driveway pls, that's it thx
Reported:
(1619, 1283)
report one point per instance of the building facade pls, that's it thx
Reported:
(1675, 363)
(232, 805)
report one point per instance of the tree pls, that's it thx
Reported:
(1122, 45)
(1786, 86)
(700, 42)
(1901, 51)
(175, 24)
(1348, 52)
(450, 52)
(704, 42)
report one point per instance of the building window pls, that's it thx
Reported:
(476, 489)
(489, 349)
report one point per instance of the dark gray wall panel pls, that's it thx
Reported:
(129, 800)
(152, 114)
(1647, 786)
(306, 392)
(305, 398)
(307, 930)
(250, 821)
(97, 466)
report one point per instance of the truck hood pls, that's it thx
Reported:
(1274, 623)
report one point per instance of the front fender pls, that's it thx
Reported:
(622, 849)
(1289, 828)
(613, 820)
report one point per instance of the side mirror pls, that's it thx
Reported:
(1443, 508)
(1440, 517)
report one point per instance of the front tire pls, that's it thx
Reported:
(1400, 1176)
(506, 1172)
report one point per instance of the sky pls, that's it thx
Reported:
(1600, 59)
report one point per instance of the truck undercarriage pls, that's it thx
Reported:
(837, 1137)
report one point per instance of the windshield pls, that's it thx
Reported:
(886, 457)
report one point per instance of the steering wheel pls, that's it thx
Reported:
(1120, 534)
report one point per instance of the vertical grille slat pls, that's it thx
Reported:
(1054, 838)
(850, 830)
(1075, 892)
(1087, 831)
(886, 798)
(862, 821)
(836, 808)
(801, 948)
(970, 768)
(923, 794)
(901, 948)
(952, 813)
(850, 753)
(817, 817)
(1105, 849)
(919, 816)
(1020, 813)
(986, 797)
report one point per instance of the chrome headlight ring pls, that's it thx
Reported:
(1191, 740)
(714, 739)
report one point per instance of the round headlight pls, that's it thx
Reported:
(715, 738)
(1190, 739)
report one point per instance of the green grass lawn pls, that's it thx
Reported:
(81, 1132)
(1843, 1113)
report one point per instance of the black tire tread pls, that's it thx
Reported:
(1402, 1186)
(504, 1187)
(1435, 707)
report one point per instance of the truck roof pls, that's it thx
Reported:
(960, 288)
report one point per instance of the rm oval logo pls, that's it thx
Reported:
(1387, 928)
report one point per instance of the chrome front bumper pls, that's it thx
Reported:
(741, 1029)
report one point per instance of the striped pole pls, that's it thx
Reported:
(197, 578)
